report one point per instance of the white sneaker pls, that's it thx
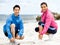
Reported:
(50, 37)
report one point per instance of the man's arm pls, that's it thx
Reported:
(21, 29)
(8, 23)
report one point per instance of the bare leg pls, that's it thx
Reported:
(13, 30)
(40, 30)
(19, 37)
(22, 37)
(47, 33)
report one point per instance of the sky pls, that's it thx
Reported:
(28, 6)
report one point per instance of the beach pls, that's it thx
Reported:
(30, 12)
(30, 34)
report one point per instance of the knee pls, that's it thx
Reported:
(37, 29)
(39, 23)
(12, 25)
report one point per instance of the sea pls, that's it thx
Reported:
(25, 18)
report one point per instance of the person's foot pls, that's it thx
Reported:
(22, 37)
(50, 37)
(12, 40)
(18, 44)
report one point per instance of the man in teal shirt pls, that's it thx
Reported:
(14, 28)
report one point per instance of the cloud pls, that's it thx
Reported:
(28, 6)
(2, 1)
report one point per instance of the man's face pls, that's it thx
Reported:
(16, 11)
(43, 7)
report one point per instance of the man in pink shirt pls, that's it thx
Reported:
(47, 25)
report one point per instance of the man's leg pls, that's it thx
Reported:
(13, 30)
(19, 37)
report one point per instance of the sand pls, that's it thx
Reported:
(31, 35)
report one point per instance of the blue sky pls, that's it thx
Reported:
(28, 6)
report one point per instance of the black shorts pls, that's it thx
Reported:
(16, 31)
(51, 30)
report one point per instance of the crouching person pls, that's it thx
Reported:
(47, 25)
(14, 28)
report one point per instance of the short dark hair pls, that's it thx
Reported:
(43, 3)
(16, 6)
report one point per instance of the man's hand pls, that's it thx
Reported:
(12, 39)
